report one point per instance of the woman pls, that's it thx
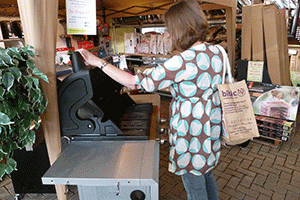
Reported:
(193, 74)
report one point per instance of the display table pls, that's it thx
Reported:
(108, 169)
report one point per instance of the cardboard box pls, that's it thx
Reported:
(258, 52)
(271, 123)
(264, 38)
(284, 46)
(276, 45)
(274, 135)
(246, 34)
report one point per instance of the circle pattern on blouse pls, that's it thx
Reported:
(195, 71)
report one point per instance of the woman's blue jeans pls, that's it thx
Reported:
(202, 187)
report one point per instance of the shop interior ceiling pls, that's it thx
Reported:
(128, 8)
(115, 8)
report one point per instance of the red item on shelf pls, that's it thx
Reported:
(85, 44)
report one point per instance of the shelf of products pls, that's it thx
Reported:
(148, 55)
(230, 8)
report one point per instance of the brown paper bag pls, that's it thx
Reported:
(239, 123)
(238, 119)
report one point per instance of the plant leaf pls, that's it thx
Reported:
(22, 134)
(16, 72)
(4, 119)
(30, 139)
(2, 91)
(1, 155)
(28, 81)
(10, 146)
(11, 165)
(2, 63)
(12, 92)
(2, 170)
(8, 80)
(43, 106)
(30, 64)
(41, 74)
(25, 124)
(33, 95)
(6, 58)
(28, 50)
(35, 71)
(14, 52)
(1, 150)
(45, 78)
(23, 104)
(35, 81)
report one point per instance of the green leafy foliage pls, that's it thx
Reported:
(21, 102)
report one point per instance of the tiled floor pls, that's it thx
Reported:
(261, 171)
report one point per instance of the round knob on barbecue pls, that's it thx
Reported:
(137, 195)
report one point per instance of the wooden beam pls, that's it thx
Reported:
(227, 3)
(39, 22)
(209, 6)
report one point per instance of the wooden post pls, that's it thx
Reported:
(231, 33)
(39, 21)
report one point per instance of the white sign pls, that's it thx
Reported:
(81, 17)
(255, 71)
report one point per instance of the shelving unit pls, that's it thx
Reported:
(160, 6)
(12, 39)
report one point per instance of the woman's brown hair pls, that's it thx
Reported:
(186, 23)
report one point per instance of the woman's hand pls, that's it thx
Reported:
(114, 72)
(89, 58)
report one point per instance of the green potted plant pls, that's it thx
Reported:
(21, 103)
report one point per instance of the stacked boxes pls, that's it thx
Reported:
(274, 128)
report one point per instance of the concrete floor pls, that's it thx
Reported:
(261, 171)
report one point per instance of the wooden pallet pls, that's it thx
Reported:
(269, 141)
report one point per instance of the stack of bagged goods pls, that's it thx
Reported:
(148, 43)
(276, 109)
(160, 44)
(153, 43)
(144, 46)
(131, 42)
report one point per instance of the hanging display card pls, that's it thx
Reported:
(81, 17)
(255, 71)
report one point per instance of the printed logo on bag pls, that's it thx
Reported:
(228, 93)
